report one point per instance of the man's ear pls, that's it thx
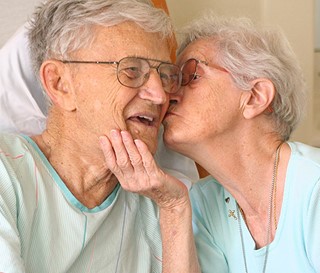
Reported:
(56, 80)
(258, 99)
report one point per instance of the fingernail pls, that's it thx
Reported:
(113, 133)
(125, 135)
(102, 140)
(138, 142)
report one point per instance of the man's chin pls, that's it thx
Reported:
(152, 146)
(151, 140)
(148, 135)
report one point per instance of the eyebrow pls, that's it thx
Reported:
(149, 59)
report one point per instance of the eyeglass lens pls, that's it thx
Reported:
(134, 72)
(188, 70)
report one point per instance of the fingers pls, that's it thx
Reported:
(133, 152)
(121, 154)
(124, 160)
(147, 158)
(136, 170)
(108, 153)
(116, 156)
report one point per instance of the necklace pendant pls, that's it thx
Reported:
(232, 213)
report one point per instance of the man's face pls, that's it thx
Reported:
(102, 103)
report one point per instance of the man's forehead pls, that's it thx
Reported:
(126, 31)
(127, 39)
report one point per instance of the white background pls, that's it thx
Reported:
(14, 13)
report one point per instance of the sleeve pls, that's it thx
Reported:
(10, 245)
(312, 233)
(211, 257)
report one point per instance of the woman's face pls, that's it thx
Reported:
(205, 109)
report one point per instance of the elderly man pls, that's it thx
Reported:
(104, 65)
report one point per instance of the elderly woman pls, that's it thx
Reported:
(242, 96)
(103, 64)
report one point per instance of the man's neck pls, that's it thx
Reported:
(81, 168)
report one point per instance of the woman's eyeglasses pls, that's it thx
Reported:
(190, 67)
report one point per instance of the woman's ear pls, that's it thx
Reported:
(56, 80)
(259, 98)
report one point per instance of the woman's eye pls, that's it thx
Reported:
(196, 77)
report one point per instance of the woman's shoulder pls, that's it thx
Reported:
(207, 181)
(304, 166)
(305, 152)
(207, 188)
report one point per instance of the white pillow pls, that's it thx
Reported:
(22, 105)
(23, 108)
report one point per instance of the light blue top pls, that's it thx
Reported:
(296, 246)
(44, 228)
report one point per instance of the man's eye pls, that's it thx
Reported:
(132, 72)
(164, 76)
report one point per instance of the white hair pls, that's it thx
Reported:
(61, 26)
(247, 53)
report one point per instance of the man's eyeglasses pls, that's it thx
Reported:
(189, 70)
(134, 72)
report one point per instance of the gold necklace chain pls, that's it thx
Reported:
(272, 206)
(275, 174)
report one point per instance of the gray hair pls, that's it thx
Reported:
(59, 27)
(248, 53)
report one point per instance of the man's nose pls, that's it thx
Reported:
(176, 97)
(153, 90)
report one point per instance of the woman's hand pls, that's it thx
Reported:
(135, 168)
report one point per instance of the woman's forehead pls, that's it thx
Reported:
(202, 49)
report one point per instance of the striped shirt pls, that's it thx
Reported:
(44, 228)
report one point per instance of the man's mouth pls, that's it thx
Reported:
(147, 120)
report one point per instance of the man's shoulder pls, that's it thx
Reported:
(11, 145)
(17, 158)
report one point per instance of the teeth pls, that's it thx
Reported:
(147, 118)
